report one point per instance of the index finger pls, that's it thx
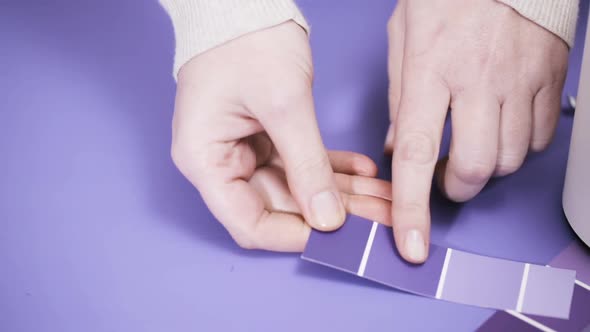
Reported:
(423, 107)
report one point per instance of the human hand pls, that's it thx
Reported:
(501, 75)
(245, 135)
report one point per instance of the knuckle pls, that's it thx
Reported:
(354, 185)
(474, 172)
(539, 144)
(245, 243)
(412, 207)
(310, 164)
(186, 160)
(507, 164)
(179, 156)
(391, 22)
(417, 148)
(408, 212)
(360, 161)
(245, 239)
(200, 162)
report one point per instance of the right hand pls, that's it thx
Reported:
(500, 74)
(245, 135)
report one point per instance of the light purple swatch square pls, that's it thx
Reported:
(576, 256)
(386, 266)
(342, 249)
(549, 292)
(485, 282)
(578, 320)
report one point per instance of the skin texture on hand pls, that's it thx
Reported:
(245, 135)
(499, 73)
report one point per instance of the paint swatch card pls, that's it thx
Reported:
(366, 249)
(577, 257)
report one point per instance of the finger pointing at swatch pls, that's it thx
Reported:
(499, 73)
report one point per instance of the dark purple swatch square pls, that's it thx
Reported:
(341, 249)
(503, 321)
(386, 266)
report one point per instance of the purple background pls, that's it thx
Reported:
(100, 232)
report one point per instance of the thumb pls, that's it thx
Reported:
(292, 126)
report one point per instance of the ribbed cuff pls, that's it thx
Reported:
(557, 16)
(200, 25)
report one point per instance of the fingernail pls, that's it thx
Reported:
(415, 246)
(326, 210)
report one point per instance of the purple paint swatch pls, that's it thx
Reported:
(387, 266)
(366, 249)
(578, 321)
(342, 249)
(542, 294)
(548, 291)
(488, 282)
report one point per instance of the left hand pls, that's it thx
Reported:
(245, 135)
(501, 75)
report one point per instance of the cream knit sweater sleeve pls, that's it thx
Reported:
(200, 25)
(557, 16)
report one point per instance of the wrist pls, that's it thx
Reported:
(200, 25)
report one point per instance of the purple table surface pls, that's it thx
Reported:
(99, 232)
